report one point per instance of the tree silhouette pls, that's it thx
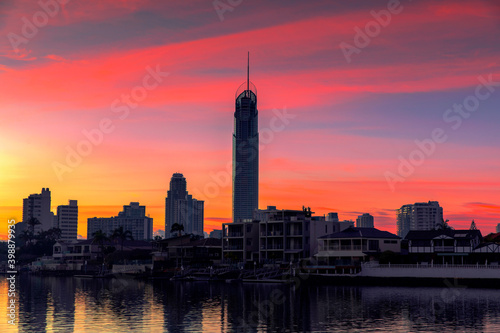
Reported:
(99, 238)
(122, 236)
(443, 225)
(156, 241)
(53, 234)
(27, 235)
(32, 222)
(176, 227)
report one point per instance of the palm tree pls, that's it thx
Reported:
(100, 237)
(176, 227)
(122, 236)
(156, 241)
(28, 236)
(32, 222)
(444, 225)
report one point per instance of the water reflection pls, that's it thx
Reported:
(52, 304)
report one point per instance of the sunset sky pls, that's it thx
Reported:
(349, 121)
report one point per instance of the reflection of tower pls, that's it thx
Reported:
(245, 151)
(63, 293)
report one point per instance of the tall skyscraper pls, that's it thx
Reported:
(38, 206)
(245, 151)
(133, 218)
(419, 216)
(364, 221)
(177, 192)
(67, 220)
(182, 208)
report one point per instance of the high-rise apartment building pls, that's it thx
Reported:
(277, 235)
(245, 152)
(67, 220)
(38, 206)
(182, 208)
(133, 218)
(364, 221)
(419, 216)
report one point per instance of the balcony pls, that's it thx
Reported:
(234, 248)
(235, 234)
(444, 249)
(275, 247)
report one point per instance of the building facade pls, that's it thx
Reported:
(38, 206)
(240, 241)
(215, 234)
(186, 250)
(284, 235)
(365, 221)
(67, 220)
(419, 216)
(245, 153)
(442, 246)
(132, 218)
(182, 208)
(277, 236)
(355, 245)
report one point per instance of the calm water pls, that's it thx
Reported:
(51, 304)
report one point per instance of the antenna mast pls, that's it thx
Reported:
(248, 71)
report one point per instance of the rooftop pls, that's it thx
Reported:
(353, 232)
(431, 234)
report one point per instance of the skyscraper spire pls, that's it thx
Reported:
(245, 151)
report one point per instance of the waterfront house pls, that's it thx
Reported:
(187, 250)
(354, 245)
(75, 250)
(81, 250)
(442, 246)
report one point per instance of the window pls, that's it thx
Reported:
(420, 243)
(373, 245)
(326, 229)
(249, 241)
